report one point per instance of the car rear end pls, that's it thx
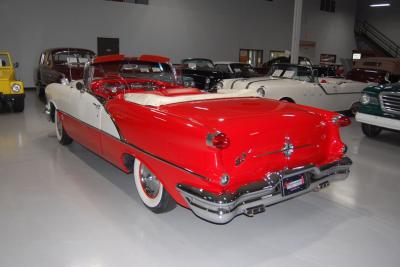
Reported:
(265, 152)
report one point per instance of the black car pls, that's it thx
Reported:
(237, 70)
(285, 60)
(203, 72)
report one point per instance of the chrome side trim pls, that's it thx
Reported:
(237, 80)
(223, 208)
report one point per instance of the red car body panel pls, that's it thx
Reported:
(183, 137)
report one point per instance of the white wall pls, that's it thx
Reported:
(385, 19)
(175, 28)
(215, 29)
(332, 32)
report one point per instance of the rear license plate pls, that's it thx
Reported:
(294, 184)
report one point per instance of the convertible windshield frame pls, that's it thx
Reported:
(163, 72)
(294, 72)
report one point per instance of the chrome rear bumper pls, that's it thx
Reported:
(252, 199)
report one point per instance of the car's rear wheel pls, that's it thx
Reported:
(370, 130)
(150, 189)
(18, 105)
(62, 135)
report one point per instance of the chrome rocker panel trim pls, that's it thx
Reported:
(252, 199)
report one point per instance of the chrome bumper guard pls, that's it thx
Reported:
(253, 198)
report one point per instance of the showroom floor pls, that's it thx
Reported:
(64, 206)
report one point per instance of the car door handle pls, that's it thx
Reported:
(96, 105)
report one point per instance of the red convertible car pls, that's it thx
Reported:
(220, 155)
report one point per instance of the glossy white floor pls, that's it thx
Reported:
(65, 207)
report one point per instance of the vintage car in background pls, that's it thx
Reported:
(215, 154)
(60, 64)
(203, 73)
(265, 68)
(380, 70)
(236, 69)
(297, 84)
(11, 90)
(181, 79)
(380, 109)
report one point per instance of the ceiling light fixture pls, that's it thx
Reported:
(379, 5)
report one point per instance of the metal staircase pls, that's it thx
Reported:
(377, 38)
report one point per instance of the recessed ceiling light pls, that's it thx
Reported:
(379, 5)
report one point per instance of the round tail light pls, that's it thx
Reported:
(218, 140)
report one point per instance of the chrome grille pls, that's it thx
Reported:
(390, 102)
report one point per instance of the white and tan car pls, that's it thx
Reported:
(297, 84)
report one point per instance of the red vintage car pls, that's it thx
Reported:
(220, 155)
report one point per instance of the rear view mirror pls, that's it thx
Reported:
(16, 65)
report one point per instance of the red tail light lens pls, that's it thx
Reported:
(218, 140)
(341, 121)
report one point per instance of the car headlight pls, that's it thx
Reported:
(219, 85)
(185, 84)
(16, 87)
(367, 99)
(261, 91)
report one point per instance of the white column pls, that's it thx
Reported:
(298, 6)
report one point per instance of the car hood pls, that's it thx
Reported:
(6, 74)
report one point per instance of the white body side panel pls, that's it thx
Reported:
(333, 94)
(82, 106)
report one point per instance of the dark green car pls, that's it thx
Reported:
(380, 109)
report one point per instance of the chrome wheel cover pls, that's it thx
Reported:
(150, 183)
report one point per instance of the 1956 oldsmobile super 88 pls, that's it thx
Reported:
(220, 155)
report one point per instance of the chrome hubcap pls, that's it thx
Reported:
(149, 182)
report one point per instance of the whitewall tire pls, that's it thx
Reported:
(61, 134)
(150, 189)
